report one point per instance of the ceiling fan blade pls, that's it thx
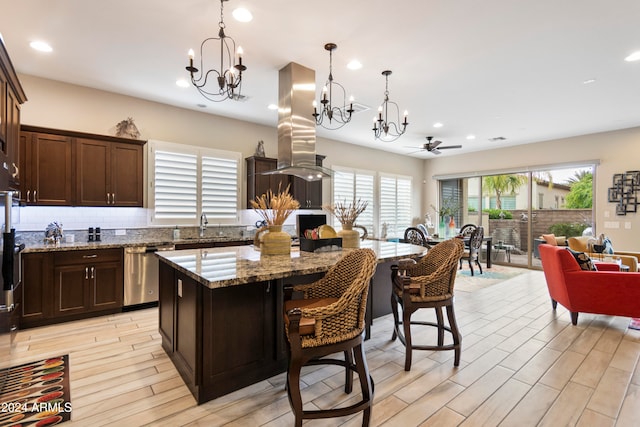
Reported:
(450, 146)
(414, 152)
(435, 151)
(434, 144)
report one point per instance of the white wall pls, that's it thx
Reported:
(617, 152)
(64, 106)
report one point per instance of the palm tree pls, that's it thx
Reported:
(501, 184)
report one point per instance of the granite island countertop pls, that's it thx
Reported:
(236, 265)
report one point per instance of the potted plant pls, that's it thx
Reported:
(346, 214)
(274, 209)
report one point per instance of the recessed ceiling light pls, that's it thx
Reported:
(588, 81)
(182, 83)
(635, 56)
(272, 107)
(354, 65)
(241, 14)
(471, 137)
(437, 125)
(41, 46)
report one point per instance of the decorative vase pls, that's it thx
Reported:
(350, 237)
(275, 241)
(443, 226)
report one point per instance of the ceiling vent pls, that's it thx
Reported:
(498, 139)
(357, 108)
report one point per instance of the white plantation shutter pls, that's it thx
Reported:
(190, 180)
(395, 204)
(349, 185)
(219, 188)
(175, 185)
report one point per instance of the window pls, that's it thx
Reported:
(349, 185)
(188, 180)
(395, 204)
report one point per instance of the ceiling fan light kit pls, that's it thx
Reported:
(384, 128)
(225, 82)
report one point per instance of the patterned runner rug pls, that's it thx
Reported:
(36, 394)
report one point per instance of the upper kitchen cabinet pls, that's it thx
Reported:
(46, 169)
(11, 96)
(108, 173)
(308, 193)
(78, 169)
(258, 184)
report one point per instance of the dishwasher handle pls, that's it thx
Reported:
(151, 249)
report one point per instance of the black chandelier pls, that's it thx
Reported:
(228, 79)
(336, 116)
(384, 129)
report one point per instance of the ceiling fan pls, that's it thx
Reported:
(435, 147)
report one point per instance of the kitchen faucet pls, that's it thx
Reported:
(203, 223)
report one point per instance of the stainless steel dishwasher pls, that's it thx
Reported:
(141, 273)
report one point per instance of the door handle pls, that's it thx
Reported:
(86, 273)
(89, 256)
(16, 170)
(35, 199)
(93, 272)
(7, 308)
(28, 195)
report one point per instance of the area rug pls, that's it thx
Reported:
(36, 394)
(490, 276)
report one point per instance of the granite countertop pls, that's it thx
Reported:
(236, 265)
(122, 242)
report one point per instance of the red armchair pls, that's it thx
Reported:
(599, 292)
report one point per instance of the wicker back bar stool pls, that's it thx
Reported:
(330, 318)
(427, 284)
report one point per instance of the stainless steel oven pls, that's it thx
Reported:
(141, 274)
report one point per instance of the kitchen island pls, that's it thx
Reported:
(221, 309)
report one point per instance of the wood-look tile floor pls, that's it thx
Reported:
(522, 365)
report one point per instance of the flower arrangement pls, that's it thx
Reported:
(274, 209)
(347, 213)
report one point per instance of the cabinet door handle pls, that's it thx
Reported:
(35, 199)
(28, 195)
(113, 198)
(107, 198)
(93, 272)
(89, 256)
(86, 273)
(16, 170)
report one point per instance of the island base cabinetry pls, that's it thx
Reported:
(223, 339)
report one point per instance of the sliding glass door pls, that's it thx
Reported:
(517, 208)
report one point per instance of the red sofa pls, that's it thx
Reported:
(599, 292)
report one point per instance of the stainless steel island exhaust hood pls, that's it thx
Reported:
(296, 125)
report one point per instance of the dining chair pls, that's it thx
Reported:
(330, 318)
(414, 236)
(472, 252)
(467, 229)
(427, 283)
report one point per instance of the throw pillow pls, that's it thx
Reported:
(608, 248)
(550, 239)
(561, 240)
(583, 260)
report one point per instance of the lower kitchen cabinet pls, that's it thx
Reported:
(71, 285)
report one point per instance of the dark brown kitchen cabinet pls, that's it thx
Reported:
(258, 184)
(108, 173)
(69, 285)
(68, 168)
(87, 281)
(11, 96)
(37, 287)
(46, 169)
(308, 193)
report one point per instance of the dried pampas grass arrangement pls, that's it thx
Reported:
(275, 208)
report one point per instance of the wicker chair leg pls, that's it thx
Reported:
(455, 332)
(348, 372)
(366, 384)
(293, 391)
(440, 321)
(396, 321)
(406, 323)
